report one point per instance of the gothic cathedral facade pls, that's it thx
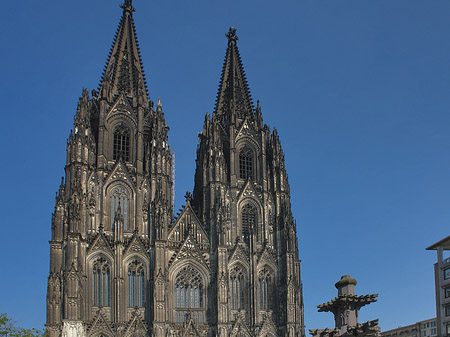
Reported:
(121, 264)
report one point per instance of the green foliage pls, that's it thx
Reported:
(8, 328)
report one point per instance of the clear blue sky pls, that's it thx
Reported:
(360, 94)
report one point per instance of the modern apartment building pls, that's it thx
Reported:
(427, 328)
(442, 284)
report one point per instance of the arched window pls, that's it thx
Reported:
(102, 283)
(248, 221)
(246, 163)
(121, 145)
(119, 196)
(238, 288)
(136, 284)
(265, 284)
(189, 294)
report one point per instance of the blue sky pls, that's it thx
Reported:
(358, 90)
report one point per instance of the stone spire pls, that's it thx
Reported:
(233, 99)
(124, 72)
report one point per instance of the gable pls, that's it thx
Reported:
(249, 191)
(121, 107)
(247, 131)
(186, 224)
(100, 243)
(239, 255)
(135, 246)
(136, 327)
(189, 250)
(100, 325)
(119, 172)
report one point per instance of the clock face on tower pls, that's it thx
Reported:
(447, 274)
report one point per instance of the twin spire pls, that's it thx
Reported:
(233, 99)
(124, 72)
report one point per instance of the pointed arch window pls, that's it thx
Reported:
(237, 288)
(248, 221)
(120, 197)
(189, 295)
(121, 145)
(102, 283)
(246, 163)
(265, 285)
(136, 284)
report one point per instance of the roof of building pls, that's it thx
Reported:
(444, 243)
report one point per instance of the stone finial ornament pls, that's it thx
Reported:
(345, 308)
(231, 35)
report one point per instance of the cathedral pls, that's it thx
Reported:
(121, 262)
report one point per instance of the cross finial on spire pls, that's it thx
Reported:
(128, 6)
(231, 35)
(188, 196)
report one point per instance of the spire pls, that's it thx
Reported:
(233, 99)
(124, 72)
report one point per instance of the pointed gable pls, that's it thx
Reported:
(189, 249)
(249, 191)
(240, 327)
(190, 329)
(135, 246)
(186, 224)
(267, 257)
(122, 107)
(119, 172)
(268, 328)
(101, 243)
(239, 254)
(247, 131)
(136, 326)
(100, 324)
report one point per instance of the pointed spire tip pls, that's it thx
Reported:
(231, 35)
(128, 6)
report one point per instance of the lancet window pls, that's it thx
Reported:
(120, 198)
(136, 284)
(237, 288)
(189, 294)
(121, 145)
(248, 221)
(265, 284)
(102, 283)
(246, 163)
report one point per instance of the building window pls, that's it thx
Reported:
(189, 295)
(120, 198)
(447, 310)
(102, 277)
(238, 288)
(433, 331)
(447, 274)
(121, 146)
(136, 284)
(248, 221)
(432, 324)
(265, 285)
(447, 329)
(246, 163)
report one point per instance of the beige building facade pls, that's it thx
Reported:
(442, 285)
(121, 263)
(426, 328)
